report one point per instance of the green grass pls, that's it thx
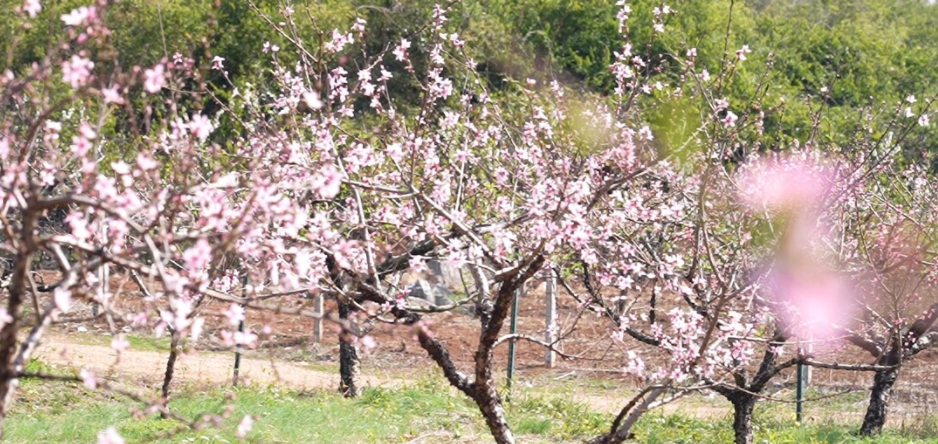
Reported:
(674, 429)
(137, 342)
(66, 413)
(826, 421)
(428, 411)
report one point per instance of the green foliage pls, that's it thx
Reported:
(863, 52)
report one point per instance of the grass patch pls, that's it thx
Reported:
(771, 428)
(137, 342)
(427, 411)
(67, 413)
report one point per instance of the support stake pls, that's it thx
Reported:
(550, 293)
(237, 363)
(799, 393)
(513, 328)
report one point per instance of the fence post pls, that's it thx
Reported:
(318, 301)
(550, 293)
(513, 328)
(237, 363)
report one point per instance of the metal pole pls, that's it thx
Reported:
(513, 328)
(799, 393)
(237, 364)
(550, 292)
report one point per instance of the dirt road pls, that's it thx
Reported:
(206, 367)
(146, 367)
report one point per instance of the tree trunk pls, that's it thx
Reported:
(8, 340)
(743, 404)
(170, 368)
(494, 413)
(875, 417)
(349, 362)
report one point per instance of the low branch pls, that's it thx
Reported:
(548, 345)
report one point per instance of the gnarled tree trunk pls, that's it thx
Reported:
(875, 417)
(170, 369)
(490, 404)
(349, 362)
(743, 405)
(22, 263)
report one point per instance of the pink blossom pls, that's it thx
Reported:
(110, 436)
(78, 16)
(741, 52)
(217, 62)
(270, 48)
(154, 79)
(245, 426)
(246, 339)
(730, 119)
(198, 257)
(32, 7)
(923, 120)
(311, 98)
(88, 379)
(400, 52)
(112, 95)
(76, 71)
(146, 162)
(63, 298)
(359, 25)
(195, 331)
(201, 126)
(783, 184)
(119, 343)
(329, 183)
(235, 314)
(339, 41)
(87, 131)
(5, 317)
(817, 301)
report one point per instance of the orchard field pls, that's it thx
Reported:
(469, 221)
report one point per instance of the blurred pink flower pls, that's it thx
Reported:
(783, 184)
(245, 426)
(815, 302)
(32, 7)
(400, 52)
(76, 71)
(78, 16)
(201, 126)
(112, 95)
(110, 436)
(154, 80)
(198, 256)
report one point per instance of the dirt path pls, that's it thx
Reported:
(147, 366)
(204, 367)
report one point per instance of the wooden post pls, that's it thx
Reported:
(550, 293)
(512, 329)
(318, 301)
(104, 277)
(237, 363)
(808, 371)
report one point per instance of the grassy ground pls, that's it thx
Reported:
(427, 411)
